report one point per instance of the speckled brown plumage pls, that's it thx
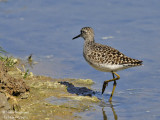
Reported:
(102, 54)
(105, 58)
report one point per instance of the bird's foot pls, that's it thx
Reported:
(104, 86)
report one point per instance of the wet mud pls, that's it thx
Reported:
(41, 97)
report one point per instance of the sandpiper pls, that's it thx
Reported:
(105, 58)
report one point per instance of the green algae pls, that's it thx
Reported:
(48, 99)
(83, 81)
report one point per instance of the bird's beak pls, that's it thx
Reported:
(76, 36)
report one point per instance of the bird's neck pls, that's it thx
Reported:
(89, 40)
(88, 44)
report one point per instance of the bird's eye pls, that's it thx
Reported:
(83, 32)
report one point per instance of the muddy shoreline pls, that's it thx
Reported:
(42, 97)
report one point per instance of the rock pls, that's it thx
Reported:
(10, 84)
(5, 109)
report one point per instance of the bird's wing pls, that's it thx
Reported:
(106, 54)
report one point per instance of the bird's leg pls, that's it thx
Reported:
(113, 75)
(114, 84)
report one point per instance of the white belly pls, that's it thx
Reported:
(108, 67)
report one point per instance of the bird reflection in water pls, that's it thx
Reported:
(114, 113)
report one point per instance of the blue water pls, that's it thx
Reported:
(46, 28)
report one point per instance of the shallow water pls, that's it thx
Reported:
(46, 28)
